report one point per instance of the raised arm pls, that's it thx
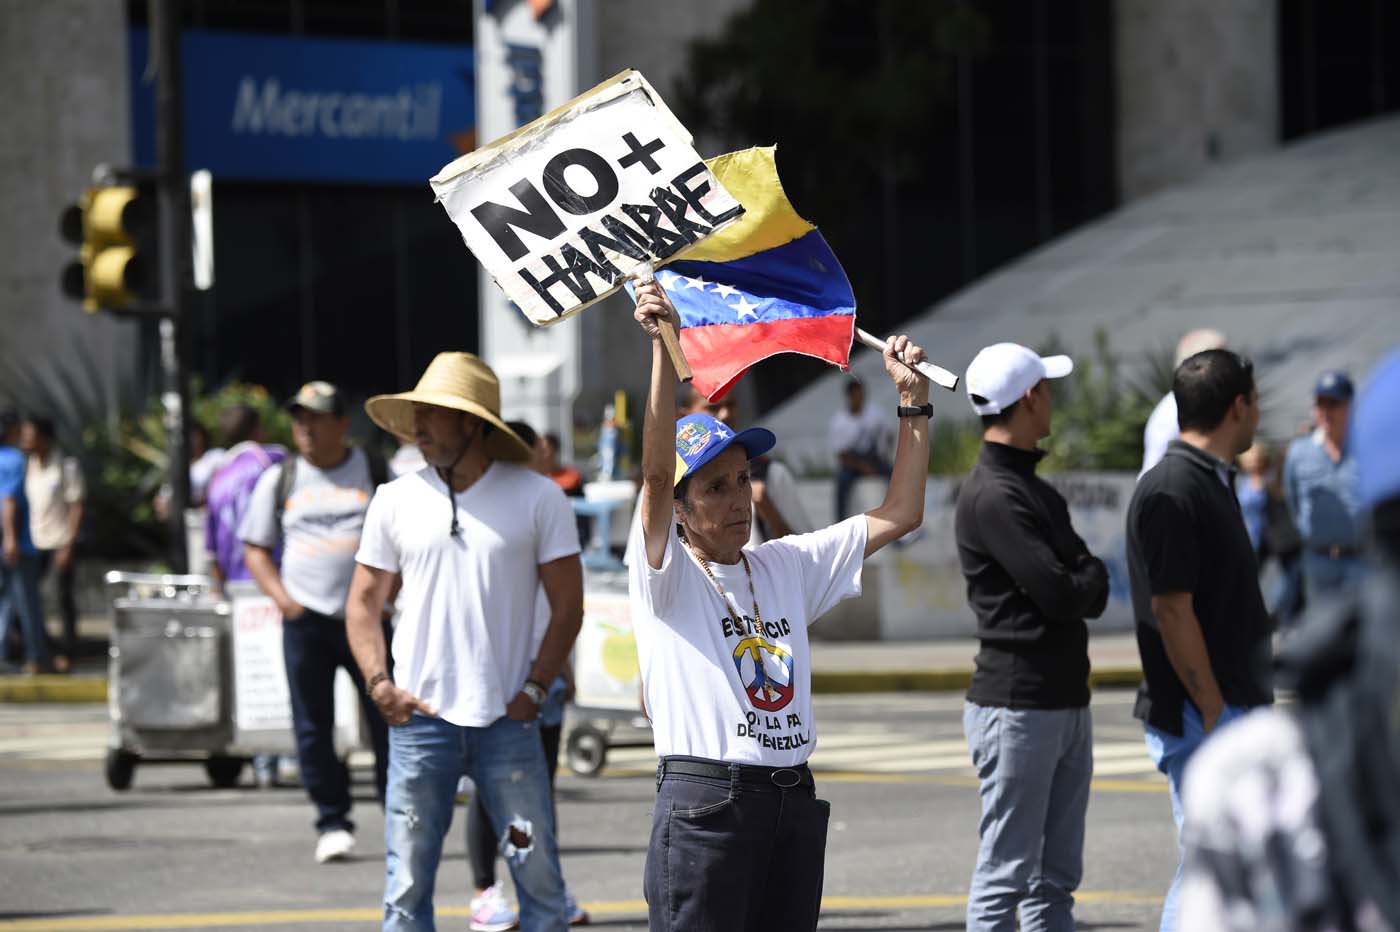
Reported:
(903, 508)
(658, 428)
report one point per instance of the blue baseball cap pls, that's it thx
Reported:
(1335, 385)
(700, 438)
(1374, 436)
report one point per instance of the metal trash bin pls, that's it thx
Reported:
(169, 676)
(607, 710)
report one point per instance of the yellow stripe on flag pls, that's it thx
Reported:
(769, 220)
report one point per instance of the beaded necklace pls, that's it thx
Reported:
(719, 590)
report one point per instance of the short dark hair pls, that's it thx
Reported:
(1001, 417)
(524, 432)
(239, 423)
(1207, 384)
(553, 440)
(43, 426)
(854, 385)
(9, 420)
(682, 489)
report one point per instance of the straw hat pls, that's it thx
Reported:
(459, 381)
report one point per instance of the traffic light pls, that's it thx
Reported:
(112, 226)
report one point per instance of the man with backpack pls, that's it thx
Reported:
(313, 505)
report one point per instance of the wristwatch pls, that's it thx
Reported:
(926, 409)
(535, 691)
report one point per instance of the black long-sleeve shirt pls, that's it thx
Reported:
(1031, 582)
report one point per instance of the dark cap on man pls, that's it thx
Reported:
(1334, 386)
(321, 397)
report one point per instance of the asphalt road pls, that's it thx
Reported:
(174, 853)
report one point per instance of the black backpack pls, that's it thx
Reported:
(378, 475)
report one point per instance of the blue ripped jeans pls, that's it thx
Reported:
(505, 760)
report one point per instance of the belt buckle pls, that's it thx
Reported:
(1334, 552)
(792, 774)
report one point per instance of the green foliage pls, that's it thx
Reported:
(1099, 415)
(953, 446)
(118, 434)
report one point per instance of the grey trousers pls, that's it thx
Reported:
(1034, 766)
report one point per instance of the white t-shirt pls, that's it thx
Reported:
(52, 488)
(1161, 430)
(462, 640)
(865, 432)
(724, 690)
(321, 522)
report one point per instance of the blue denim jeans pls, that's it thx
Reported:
(1324, 576)
(1034, 766)
(427, 756)
(20, 601)
(1170, 753)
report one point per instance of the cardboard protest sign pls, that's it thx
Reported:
(562, 211)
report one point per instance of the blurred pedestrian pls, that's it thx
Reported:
(1259, 490)
(464, 697)
(1292, 824)
(546, 449)
(1162, 427)
(312, 506)
(204, 460)
(1319, 481)
(53, 483)
(231, 488)
(490, 912)
(858, 436)
(20, 602)
(1031, 582)
(1203, 633)
(738, 840)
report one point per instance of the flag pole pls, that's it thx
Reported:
(670, 336)
(935, 374)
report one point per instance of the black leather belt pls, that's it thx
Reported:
(782, 777)
(1337, 552)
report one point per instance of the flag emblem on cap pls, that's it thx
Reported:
(692, 439)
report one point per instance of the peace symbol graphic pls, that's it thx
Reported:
(771, 685)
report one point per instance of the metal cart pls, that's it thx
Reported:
(607, 710)
(196, 677)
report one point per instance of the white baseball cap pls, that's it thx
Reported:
(1000, 374)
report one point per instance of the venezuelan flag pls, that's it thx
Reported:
(764, 285)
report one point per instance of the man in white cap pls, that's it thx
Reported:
(1031, 582)
(465, 695)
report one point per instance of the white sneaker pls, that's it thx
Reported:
(491, 912)
(334, 845)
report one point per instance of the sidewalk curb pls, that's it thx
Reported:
(946, 680)
(93, 689)
(49, 688)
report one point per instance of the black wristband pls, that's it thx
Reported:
(925, 409)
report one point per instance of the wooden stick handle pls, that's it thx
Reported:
(671, 337)
(935, 374)
(670, 332)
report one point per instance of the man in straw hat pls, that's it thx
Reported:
(738, 835)
(473, 536)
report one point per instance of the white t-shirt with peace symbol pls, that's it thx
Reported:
(732, 690)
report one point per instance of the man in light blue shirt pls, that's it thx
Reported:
(1319, 481)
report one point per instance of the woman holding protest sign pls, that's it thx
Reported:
(738, 835)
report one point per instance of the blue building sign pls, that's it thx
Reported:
(276, 108)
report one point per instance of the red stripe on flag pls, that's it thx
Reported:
(720, 353)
